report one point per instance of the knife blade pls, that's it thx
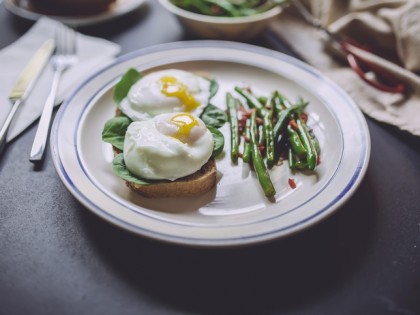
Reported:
(25, 84)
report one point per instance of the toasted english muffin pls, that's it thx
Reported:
(195, 184)
(192, 185)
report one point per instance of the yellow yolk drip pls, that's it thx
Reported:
(172, 87)
(185, 122)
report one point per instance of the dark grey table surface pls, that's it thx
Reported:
(56, 257)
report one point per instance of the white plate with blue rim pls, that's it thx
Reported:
(235, 212)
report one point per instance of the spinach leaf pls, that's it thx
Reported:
(130, 77)
(114, 131)
(213, 116)
(218, 139)
(214, 87)
(120, 169)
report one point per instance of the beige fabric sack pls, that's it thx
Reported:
(391, 28)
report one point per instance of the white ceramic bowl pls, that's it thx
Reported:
(215, 27)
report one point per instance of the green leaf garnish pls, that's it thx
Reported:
(218, 139)
(214, 87)
(114, 131)
(120, 169)
(213, 116)
(125, 83)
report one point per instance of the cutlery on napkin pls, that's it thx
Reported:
(93, 53)
(391, 28)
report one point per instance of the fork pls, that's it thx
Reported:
(64, 57)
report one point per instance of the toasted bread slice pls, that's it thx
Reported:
(195, 184)
(192, 185)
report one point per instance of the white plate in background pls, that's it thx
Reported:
(25, 10)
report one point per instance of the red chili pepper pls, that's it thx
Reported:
(215, 9)
(293, 124)
(292, 183)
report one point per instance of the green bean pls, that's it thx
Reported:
(246, 155)
(251, 100)
(266, 136)
(283, 119)
(294, 162)
(291, 158)
(232, 105)
(261, 135)
(295, 143)
(257, 160)
(315, 142)
(311, 157)
(301, 165)
(285, 102)
(263, 100)
(269, 137)
(276, 102)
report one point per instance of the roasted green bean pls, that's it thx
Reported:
(258, 162)
(232, 106)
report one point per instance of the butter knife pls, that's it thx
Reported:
(24, 85)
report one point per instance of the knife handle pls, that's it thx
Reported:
(6, 125)
(41, 136)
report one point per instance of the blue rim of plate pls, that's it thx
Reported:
(320, 214)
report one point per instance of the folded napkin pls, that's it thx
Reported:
(391, 27)
(93, 53)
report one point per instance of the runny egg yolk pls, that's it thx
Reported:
(172, 87)
(184, 122)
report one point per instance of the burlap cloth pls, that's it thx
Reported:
(391, 27)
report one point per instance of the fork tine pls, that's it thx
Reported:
(57, 40)
(65, 39)
(69, 39)
(72, 37)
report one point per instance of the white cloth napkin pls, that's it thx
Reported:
(93, 53)
(392, 27)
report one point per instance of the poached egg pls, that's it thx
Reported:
(168, 146)
(166, 91)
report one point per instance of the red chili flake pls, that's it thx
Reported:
(261, 147)
(259, 121)
(318, 159)
(247, 139)
(215, 9)
(248, 89)
(304, 117)
(292, 183)
(246, 113)
(293, 124)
